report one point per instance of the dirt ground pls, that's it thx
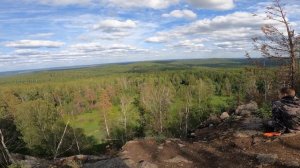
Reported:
(232, 144)
(235, 143)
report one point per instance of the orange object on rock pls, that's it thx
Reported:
(271, 134)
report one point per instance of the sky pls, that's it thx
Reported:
(38, 34)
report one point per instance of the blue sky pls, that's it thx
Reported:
(53, 33)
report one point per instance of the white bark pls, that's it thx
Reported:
(106, 124)
(61, 140)
(5, 148)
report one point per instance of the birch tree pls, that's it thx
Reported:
(105, 106)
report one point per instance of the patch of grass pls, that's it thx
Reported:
(221, 103)
(89, 122)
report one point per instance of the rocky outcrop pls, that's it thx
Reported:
(234, 140)
(267, 158)
(247, 109)
(108, 163)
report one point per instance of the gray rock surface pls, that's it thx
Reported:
(214, 119)
(109, 163)
(267, 158)
(224, 116)
(247, 109)
(145, 164)
(178, 159)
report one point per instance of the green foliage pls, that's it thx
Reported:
(116, 103)
(89, 123)
(265, 111)
(220, 104)
(39, 123)
(16, 165)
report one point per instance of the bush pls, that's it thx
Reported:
(16, 165)
(265, 111)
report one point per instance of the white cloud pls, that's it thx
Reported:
(231, 32)
(61, 2)
(34, 44)
(27, 52)
(87, 47)
(192, 45)
(155, 4)
(92, 48)
(41, 35)
(213, 4)
(156, 39)
(111, 25)
(232, 45)
(186, 14)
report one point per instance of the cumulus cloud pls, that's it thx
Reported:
(81, 52)
(26, 52)
(61, 2)
(156, 39)
(111, 25)
(34, 44)
(155, 4)
(232, 45)
(41, 35)
(185, 14)
(213, 4)
(87, 47)
(190, 45)
(98, 49)
(232, 31)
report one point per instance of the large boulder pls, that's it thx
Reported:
(247, 109)
(224, 116)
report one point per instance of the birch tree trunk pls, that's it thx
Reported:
(106, 125)
(61, 140)
(11, 160)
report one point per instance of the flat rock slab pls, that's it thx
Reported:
(146, 164)
(246, 133)
(178, 159)
(110, 163)
(267, 158)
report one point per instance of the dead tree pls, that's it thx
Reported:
(61, 140)
(279, 41)
(6, 151)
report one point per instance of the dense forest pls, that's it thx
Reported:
(58, 113)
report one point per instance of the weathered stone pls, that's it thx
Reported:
(214, 119)
(257, 140)
(130, 162)
(224, 116)
(292, 164)
(241, 135)
(30, 161)
(160, 147)
(178, 159)
(181, 145)
(168, 141)
(267, 158)
(247, 109)
(109, 163)
(145, 164)
(252, 123)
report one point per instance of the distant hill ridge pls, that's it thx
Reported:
(211, 62)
